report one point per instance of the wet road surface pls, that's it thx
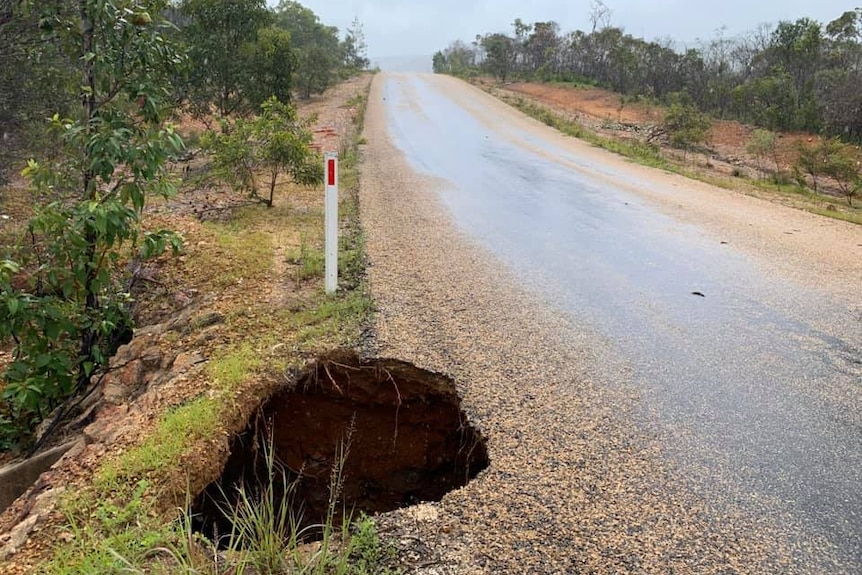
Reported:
(751, 381)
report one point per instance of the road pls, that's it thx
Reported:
(724, 334)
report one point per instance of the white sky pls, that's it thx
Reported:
(397, 28)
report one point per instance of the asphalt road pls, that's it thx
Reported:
(748, 374)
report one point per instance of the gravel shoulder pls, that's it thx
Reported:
(573, 485)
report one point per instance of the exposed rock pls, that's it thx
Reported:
(185, 360)
(108, 426)
(208, 319)
(15, 539)
(18, 537)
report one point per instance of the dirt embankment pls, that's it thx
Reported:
(608, 113)
(226, 321)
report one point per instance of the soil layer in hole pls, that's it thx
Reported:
(406, 437)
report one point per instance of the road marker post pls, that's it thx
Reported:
(331, 175)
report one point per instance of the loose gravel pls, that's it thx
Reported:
(574, 486)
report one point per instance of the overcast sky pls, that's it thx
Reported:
(421, 27)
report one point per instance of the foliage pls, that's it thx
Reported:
(835, 160)
(120, 524)
(34, 81)
(317, 47)
(355, 48)
(686, 126)
(222, 36)
(112, 537)
(458, 59)
(797, 75)
(64, 303)
(811, 162)
(273, 63)
(499, 55)
(276, 140)
(762, 144)
(233, 154)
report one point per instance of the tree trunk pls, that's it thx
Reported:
(272, 187)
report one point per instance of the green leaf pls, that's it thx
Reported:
(51, 330)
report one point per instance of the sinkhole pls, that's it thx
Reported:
(397, 432)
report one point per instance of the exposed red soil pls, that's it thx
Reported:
(596, 106)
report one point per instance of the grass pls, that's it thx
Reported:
(309, 258)
(178, 429)
(230, 368)
(119, 524)
(105, 537)
(265, 540)
(651, 156)
(853, 218)
(646, 154)
(250, 251)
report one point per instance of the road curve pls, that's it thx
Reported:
(669, 374)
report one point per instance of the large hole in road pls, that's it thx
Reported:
(406, 438)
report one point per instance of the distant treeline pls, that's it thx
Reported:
(802, 75)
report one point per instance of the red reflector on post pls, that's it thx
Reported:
(330, 169)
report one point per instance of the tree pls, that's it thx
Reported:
(499, 55)
(63, 301)
(842, 165)
(355, 48)
(220, 36)
(838, 88)
(317, 48)
(439, 64)
(460, 59)
(273, 63)
(792, 76)
(768, 101)
(686, 126)
(811, 161)
(797, 47)
(600, 15)
(543, 47)
(276, 140)
(762, 144)
(831, 159)
(34, 80)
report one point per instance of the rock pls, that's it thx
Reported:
(76, 450)
(119, 386)
(185, 360)
(19, 534)
(208, 335)
(18, 537)
(152, 357)
(180, 323)
(425, 513)
(182, 299)
(107, 427)
(208, 319)
(150, 330)
(134, 349)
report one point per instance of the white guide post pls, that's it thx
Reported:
(331, 176)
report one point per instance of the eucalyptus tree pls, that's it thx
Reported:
(63, 299)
